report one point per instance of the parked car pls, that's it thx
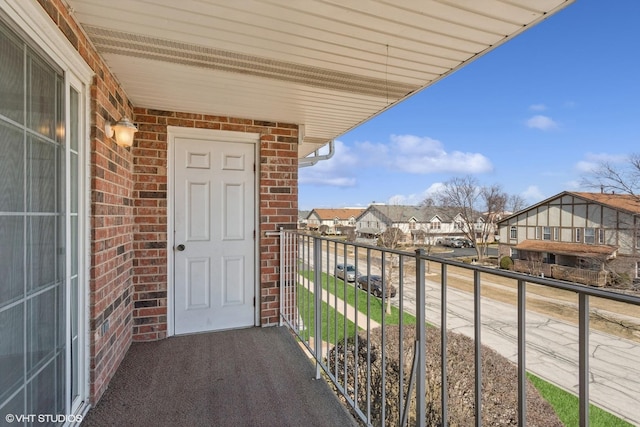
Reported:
(466, 243)
(373, 284)
(348, 271)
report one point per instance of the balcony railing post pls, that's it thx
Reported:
(522, 351)
(421, 338)
(317, 298)
(477, 326)
(583, 362)
(283, 279)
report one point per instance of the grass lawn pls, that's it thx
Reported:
(348, 292)
(334, 325)
(334, 328)
(566, 406)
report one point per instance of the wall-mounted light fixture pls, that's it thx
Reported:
(123, 131)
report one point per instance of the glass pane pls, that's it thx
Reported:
(59, 130)
(12, 72)
(42, 176)
(42, 327)
(14, 406)
(41, 97)
(11, 259)
(74, 246)
(73, 191)
(74, 119)
(41, 251)
(11, 351)
(11, 168)
(42, 392)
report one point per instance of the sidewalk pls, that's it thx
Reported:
(337, 304)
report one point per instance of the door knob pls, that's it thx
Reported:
(180, 248)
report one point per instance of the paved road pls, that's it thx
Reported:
(552, 346)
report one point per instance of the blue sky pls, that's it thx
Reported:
(533, 116)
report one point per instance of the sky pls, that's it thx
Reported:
(534, 116)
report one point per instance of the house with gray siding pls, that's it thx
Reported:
(589, 238)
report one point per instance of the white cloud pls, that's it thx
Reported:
(422, 155)
(541, 122)
(416, 198)
(537, 107)
(532, 194)
(337, 171)
(573, 185)
(592, 161)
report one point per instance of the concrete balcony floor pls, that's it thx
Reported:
(247, 377)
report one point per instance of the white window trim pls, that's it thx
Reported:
(36, 24)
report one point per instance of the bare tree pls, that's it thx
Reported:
(479, 207)
(390, 238)
(621, 178)
(494, 201)
(516, 203)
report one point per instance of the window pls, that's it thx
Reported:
(590, 235)
(546, 233)
(556, 234)
(435, 225)
(412, 225)
(637, 270)
(513, 232)
(601, 236)
(578, 235)
(41, 219)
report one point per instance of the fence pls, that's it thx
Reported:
(382, 374)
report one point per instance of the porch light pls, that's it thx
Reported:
(123, 131)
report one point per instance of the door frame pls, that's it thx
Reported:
(174, 132)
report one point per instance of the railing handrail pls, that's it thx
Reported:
(584, 292)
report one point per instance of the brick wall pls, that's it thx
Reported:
(128, 218)
(278, 207)
(111, 214)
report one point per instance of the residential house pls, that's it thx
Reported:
(302, 219)
(418, 224)
(102, 237)
(333, 220)
(589, 238)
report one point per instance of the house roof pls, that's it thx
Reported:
(562, 248)
(621, 202)
(327, 65)
(624, 202)
(344, 214)
(404, 213)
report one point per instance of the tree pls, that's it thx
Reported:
(390, 238)
(515, 203)
(479, 207)
(623, 178)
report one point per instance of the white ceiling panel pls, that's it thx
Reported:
(327, 64)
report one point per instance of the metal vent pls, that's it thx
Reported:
(135, 45)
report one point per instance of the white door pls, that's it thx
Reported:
(214, 221)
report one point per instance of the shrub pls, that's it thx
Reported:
(506, 263)
(499, 381)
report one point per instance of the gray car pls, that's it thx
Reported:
(348, 271)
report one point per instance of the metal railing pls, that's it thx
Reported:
(561, 272)
(378, 360)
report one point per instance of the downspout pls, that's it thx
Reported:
(317, 157)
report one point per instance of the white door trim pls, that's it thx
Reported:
(174, 132)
